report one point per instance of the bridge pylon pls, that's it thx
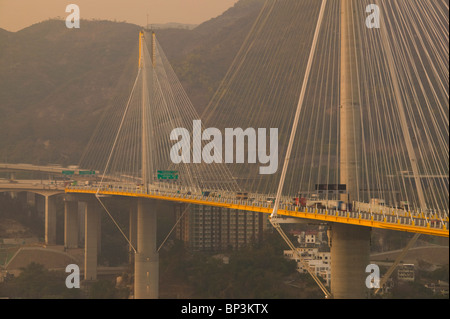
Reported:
(350, 248)
(146, 260)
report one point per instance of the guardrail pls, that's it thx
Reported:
(259, 201)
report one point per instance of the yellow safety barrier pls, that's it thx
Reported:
(325, 216)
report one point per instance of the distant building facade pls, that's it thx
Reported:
(218, 229)
(406, 272)
(315, 252)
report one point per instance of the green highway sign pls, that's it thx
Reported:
(167, 174)
(86, 172)
(68, 172)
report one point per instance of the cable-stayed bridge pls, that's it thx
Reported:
(361, 115)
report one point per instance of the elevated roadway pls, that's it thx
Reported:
(393, 219)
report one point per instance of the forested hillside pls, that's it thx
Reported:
(56, 82)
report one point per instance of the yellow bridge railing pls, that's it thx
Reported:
(408, 222)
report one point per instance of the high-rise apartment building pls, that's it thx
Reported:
(215, 229)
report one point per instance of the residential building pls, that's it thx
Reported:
(217, 229)
(314, 251)
(406, 272)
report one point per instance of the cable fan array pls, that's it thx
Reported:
(141, 143)
(402, 71)
(403, 89)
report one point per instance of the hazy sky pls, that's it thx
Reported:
(18, 14)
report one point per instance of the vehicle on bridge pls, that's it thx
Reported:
(404, 205)
(242, 195)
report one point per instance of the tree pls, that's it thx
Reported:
(105, 289)
(36, 282)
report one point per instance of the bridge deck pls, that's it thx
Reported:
(419, 223)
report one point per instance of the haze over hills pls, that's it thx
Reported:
(56, 82)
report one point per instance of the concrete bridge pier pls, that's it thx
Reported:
(50, 220)
(92, 220)
(350, 255)
(146, 262)
(70, 223)
(132, 230)
(31, 199)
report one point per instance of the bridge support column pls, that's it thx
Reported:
(70, 224)
(133, 229)
(146, 262)
(99, 233)
(81, 220)
(50, 221)
(92, 218)
(31, 199)
(350, 255)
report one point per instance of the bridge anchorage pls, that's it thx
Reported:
(365, 136)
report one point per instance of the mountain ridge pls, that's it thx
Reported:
(56, 82)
